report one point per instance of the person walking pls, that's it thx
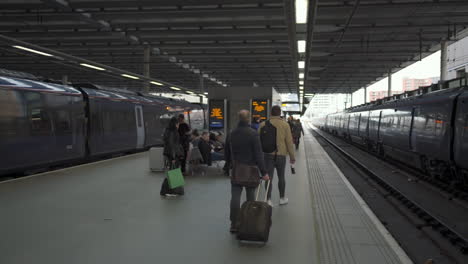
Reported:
(244, 152)
(275, 154)
(184, 137)
(172, 148)
(297, 132)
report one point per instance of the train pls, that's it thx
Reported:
(426, 129)
(44, 124)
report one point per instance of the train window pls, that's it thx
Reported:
(197, 120)
(439, 123)
(465, 130)
(38, 116)
(430, 124)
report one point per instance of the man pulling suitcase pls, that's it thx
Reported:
(244, 152)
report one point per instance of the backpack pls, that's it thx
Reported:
(268, 137)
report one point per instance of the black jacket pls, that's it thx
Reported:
(184, 137)
(171, 144)
(246, 147)
(205, 150)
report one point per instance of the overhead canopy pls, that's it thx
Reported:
(230, 41)
(354, 43)
(350, 44)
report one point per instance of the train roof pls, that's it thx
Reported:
(445, 88)
(92, 90)
(14, 83)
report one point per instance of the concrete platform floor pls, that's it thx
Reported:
(111, 212)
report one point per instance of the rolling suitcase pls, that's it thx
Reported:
(156, 159)
(255, 219)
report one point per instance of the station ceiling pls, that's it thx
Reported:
(350, 44)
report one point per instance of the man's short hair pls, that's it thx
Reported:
(276, 110)
(244, 115)
(181, 116)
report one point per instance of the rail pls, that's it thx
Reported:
(452, 235)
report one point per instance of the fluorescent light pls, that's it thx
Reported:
(300, 64)
(190, 92)
(302, 9)
(205, 93)
(130, 76)
(301, 76)
(92, 66)
(153, 82)
(301, 87)
(301, 82)
(33, 51)
(301, 46)
(175, 88)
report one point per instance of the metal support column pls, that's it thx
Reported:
(365, 94)
(443, 60)
(65, 79)
(202, 87)
(389, 93)
(146, 67)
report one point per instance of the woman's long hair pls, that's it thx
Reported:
(172, 124)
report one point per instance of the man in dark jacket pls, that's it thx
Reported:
(243, 146)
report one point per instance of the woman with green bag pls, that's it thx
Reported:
(173, 152)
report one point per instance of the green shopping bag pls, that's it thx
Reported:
(175, 178)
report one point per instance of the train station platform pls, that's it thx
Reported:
(111, 212)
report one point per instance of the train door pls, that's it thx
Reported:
(140, 127)
(412, 136)
(378, 126)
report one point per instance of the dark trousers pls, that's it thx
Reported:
(278, 163)
(183, 161)
(297, 141)
(236, 192)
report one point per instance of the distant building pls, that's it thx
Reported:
(457, 59)
(409, 84)
(375, 95)
(413, 84)
(322, 104)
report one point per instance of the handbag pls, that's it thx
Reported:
(245, 175)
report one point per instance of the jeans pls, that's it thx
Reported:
(278, 162)
(215, 156)
(236, 192)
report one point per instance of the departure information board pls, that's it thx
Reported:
(217, 113)
(259, 108)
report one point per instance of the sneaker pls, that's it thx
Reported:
(283, 201)
(270, 203)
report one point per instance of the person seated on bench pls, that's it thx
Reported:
(217, 147)
(205, 148)
(194, 156)
(216, 142)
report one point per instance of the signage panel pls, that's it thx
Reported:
(217, 114)
(259, 108)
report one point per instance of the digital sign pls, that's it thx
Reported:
(259, 108)
(217, 113)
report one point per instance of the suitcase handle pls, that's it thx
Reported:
(266, 192)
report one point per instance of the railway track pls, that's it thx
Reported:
(434, 208)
